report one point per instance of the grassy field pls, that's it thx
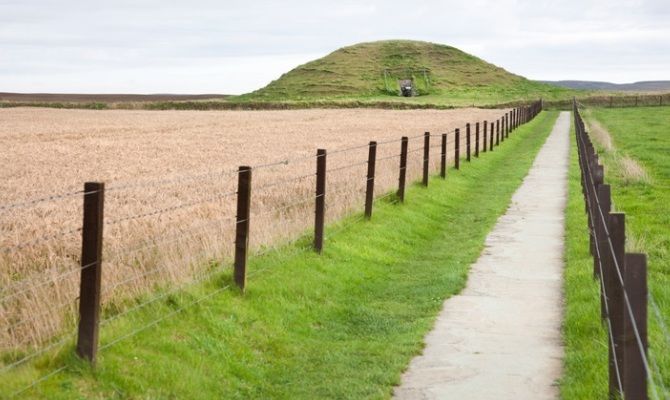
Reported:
(633, 144)
(340, 325)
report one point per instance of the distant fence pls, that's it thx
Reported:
(617, 101)
(479, 138)
(622, 278)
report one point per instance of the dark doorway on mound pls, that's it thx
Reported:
(407, 88)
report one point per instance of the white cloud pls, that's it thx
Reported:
(235, 47)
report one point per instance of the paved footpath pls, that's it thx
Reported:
(500, 338)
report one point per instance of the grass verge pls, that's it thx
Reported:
(638, 135)
(344, 324)
(585, 363)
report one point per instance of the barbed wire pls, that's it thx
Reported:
(158, 320)
(389, 141)
(169, 209)
(69, 302)
(388, 157)
(38, 381)
(213, 173)
(37, 353)
(167, 239)
(48, 198)
(169, 181)
(273, 210)
(51, 280)
(41, 239)
(167, 293)
(283, 182)
(347, 166)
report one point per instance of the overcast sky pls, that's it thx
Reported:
(237, 46)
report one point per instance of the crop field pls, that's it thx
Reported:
(341, 324)
(170, 193)
(633, 146)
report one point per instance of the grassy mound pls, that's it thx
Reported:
(372, 70)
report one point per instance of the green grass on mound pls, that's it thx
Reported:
(343, 324)
(370, 72)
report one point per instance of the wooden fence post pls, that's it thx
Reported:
(507, 115)
(404, 142)
(617, 230)
(91, 271)
(242, 225)
(516, 117)
(443, 157)
(615, 297)
(477, 140)
(457, 150)
(370, 186)
(491, 146)
(497, 132)
(597, 180)
(635, 281)
(467, 141)
(320, 206)
(426, 157)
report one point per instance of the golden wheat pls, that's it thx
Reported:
(170, 182)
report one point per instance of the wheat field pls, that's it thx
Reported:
(170, 181)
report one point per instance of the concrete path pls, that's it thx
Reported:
(500, 337)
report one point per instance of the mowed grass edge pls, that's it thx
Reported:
(638, 134)
(585, 340)
(343, 324)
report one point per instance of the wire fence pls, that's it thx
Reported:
(609, 101)
(622, 278)
(81, 300)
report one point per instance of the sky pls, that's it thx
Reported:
(232, 47)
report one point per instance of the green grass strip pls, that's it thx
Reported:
(585, 372)
(344, 324)
(641, 134)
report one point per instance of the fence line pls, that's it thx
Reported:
(90, 269)
(608, 101)
(622, 279)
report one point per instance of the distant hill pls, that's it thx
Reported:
(374, 69)
(644, 86)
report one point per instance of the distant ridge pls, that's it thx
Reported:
(643, 86)
(71, 97)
